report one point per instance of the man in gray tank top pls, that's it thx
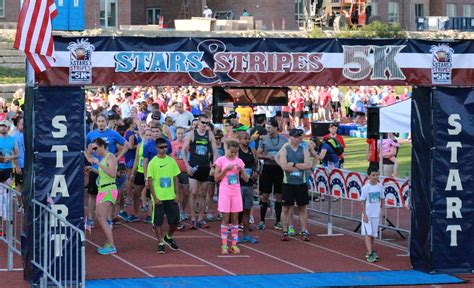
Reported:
(272, 175)
(294, 159)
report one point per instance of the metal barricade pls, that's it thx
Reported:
(11, 215)
(396, 211)
(59, 251)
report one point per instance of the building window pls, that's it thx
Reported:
(393, 12)
(451, 10)
(2, 8)
(375, 8)
(467, 10)
(108, 13)
(299, 10)
(153, 16)
(419, 10)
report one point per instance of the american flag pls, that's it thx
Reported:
(33, 34)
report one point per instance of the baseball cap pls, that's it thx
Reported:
(4, 122)
(334, 124)
(296, 132)
(156, 115)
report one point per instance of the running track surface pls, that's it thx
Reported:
(199, 255)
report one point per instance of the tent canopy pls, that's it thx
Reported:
(396, 117)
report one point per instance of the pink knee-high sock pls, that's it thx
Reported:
(235, 234)
(224, 232)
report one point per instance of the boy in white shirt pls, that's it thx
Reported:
(372, 203)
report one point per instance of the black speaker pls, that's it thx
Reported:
(373, 122)
(320, 129)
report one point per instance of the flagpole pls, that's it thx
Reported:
(30, 75)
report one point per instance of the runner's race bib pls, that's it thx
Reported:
(179, 154)
(232, 179)
(374, 197)
(298, 173)
(165, 182)
(201, 150)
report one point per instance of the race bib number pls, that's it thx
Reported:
(165, 182)
(296, 173)
(141, 162)
(201, 150)
(179, 154)
(374, 197)
(220, 152)
(232, 179)
(248, 171)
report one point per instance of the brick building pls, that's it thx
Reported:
(113, 13)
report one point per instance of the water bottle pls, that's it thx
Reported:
(195, 168)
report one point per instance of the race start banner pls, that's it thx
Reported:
(443, 173)
(58, 179)
(258, 62)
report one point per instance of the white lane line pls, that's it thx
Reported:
(266, 254)
(185, 252)
(14, 270)
(336, 252)
(124, 261)
(233, 256)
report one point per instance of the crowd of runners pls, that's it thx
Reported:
(156, 151)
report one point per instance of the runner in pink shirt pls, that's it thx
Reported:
(229, 169)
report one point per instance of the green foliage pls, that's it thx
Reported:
(376, 29)
(12, 75)
(317, 32)
(356, 157)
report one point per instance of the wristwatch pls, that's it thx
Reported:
(294, 164)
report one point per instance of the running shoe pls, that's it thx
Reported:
(305, 236)
(148, 220)
(106, 250)
(116, 221)
(261, 225)
(180, 226)
(193, 225)
(209, 217)
(285, 237)
(241, 227)
(376, 255)
(224, 249)
(278, 226)
(181, 216)
(219, 216)
(235, 250)
(291, 231)
(251, 219)
(161, 248)
(249, 239)
(123, 215)
(367, 254)
(89, 224)
(171, 243)
(128, 200)
(372, 258)
(144, 208)
(202, 224)
(132, 218)
(110, 222)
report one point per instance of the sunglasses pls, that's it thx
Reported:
(218, 138)
(95, 148)
(205, 123)
(162, 147)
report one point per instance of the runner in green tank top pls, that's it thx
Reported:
(107, 192)
(137, 180)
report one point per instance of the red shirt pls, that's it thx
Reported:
(178, 154)
(299, 104)
(372, 156)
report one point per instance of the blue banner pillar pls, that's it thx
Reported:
(56, 160)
